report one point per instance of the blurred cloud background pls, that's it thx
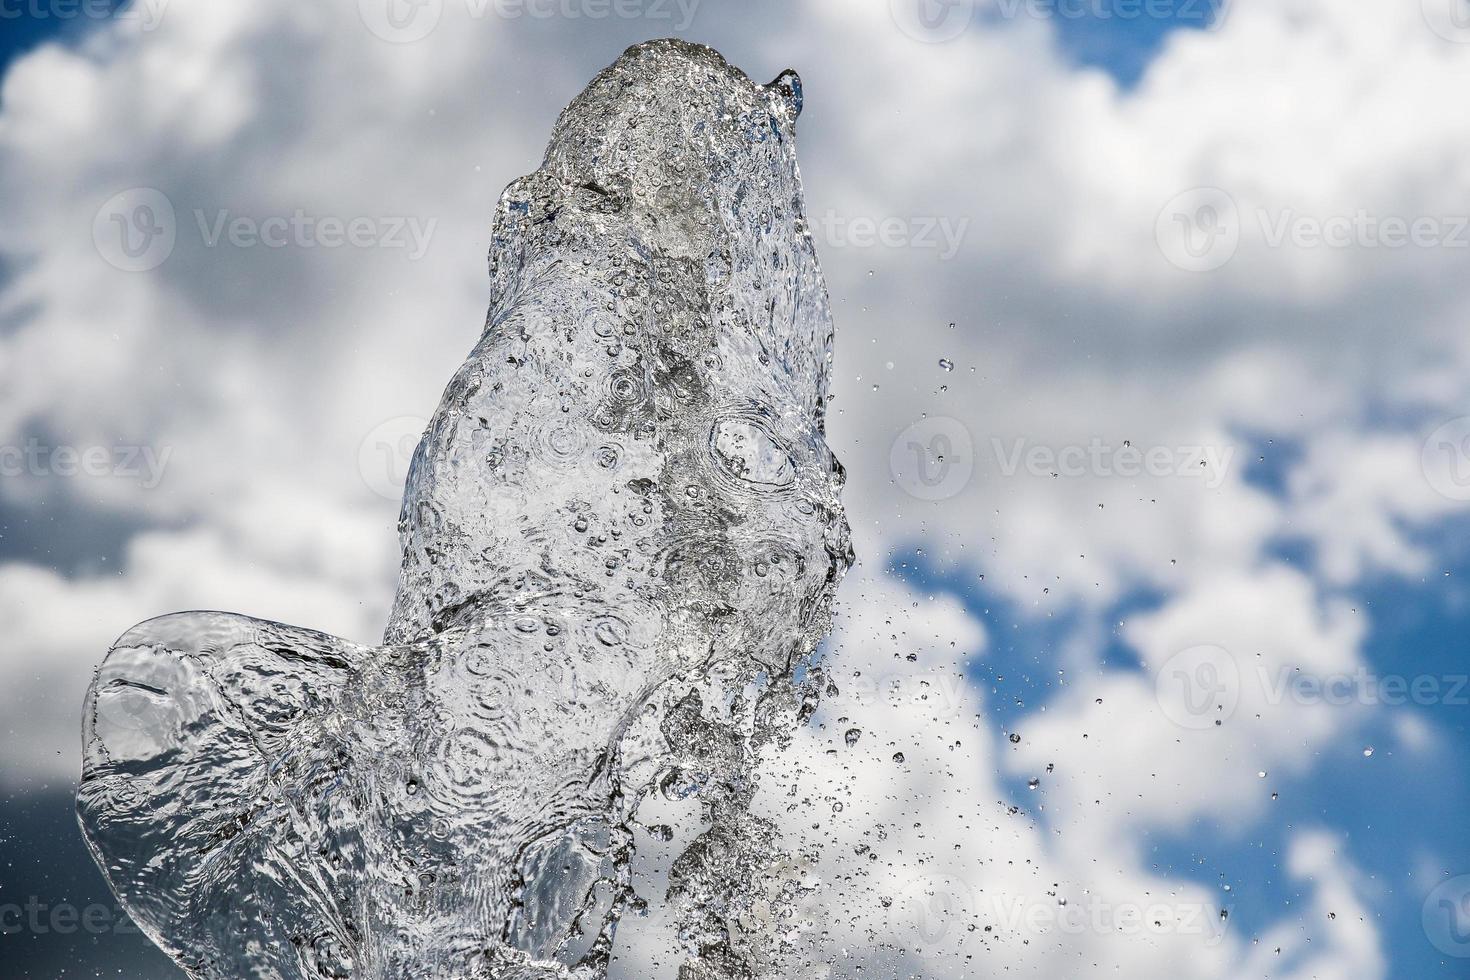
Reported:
(1151, 383)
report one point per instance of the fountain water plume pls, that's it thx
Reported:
(621, 538)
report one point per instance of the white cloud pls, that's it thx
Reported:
(1336, 937)
(1356, 495)
(263, 370)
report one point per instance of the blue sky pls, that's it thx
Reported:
(1121, 46)
(20, 31)
(1124, 46)
(1395, 810)
(1392, 811)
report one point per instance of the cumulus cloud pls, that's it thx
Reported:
(1053, 369)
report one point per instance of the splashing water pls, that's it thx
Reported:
(621, 538)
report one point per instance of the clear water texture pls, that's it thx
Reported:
(621, 535)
